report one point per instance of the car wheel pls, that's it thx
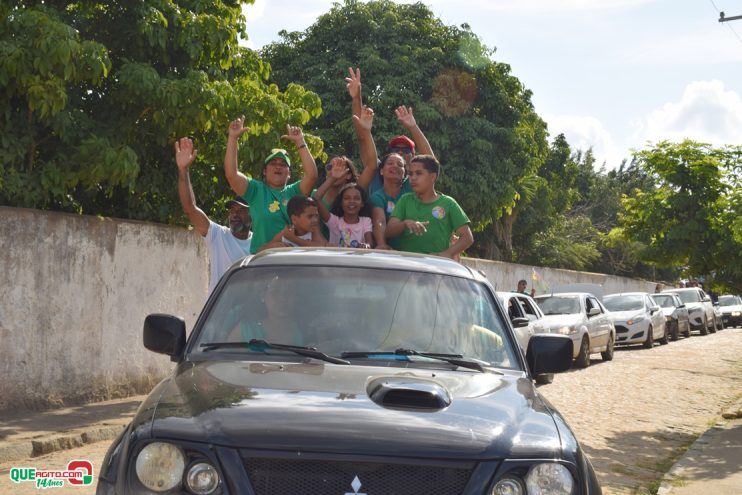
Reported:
(583, 357)
(607, 354)
(674, 330)
(687, 331)
(721, 324)
(545, 378)
(649, 343)
(712, 328)
(664, 340)
(705, 326)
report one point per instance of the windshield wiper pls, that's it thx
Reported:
(455, 359)
(302, 351)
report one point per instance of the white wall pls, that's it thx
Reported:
(74, 291)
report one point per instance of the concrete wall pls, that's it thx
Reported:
(74, 291)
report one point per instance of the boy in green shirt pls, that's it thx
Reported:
(425, 219)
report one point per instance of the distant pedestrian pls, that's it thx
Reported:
(658, 288)
(224, 245)
(522, 285)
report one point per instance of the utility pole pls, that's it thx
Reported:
(723, 18)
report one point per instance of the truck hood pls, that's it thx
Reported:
(313, 406)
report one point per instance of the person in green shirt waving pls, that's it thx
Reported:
(268, 198)
(425, 219)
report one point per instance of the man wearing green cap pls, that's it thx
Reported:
(268, 197)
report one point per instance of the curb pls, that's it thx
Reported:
(55, 443)
(688, 459)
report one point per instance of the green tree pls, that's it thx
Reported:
(94, 94)
(692, 217)
(478, 117)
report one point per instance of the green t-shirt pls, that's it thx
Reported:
(380, 199)
(268, 210)
(444, 216)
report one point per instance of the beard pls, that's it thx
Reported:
(239, 227)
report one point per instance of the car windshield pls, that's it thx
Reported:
(728, 300)
(624, 303)
(559, 305)
(689, 296)
(358, 310)
(665, 301)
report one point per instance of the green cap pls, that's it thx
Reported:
(278, 153)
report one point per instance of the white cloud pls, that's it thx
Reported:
(706, 112)
(584, 132)
(540, 6)
(255, 11)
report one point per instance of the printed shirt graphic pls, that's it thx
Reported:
(268, 210)
(444, 216)
(224, 249)
(344, 234)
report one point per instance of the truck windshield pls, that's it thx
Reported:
(345, 309)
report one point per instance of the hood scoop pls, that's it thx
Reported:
(408, 394)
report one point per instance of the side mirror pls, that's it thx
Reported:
(653, 309)
(593, 312)
(716, 304)
(520, 322)
(682, 305)
(549, 353)
(707, 299)
(165, 334)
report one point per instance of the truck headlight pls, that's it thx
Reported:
(160, 466)
(549, 479)
(565, 330)
(509, 486)
(736, 313)
(202, 478)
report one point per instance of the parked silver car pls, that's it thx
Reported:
(638, 319)
(731, 310)
(700, 308)
(676, 314)
(584, 319)
(527, 320)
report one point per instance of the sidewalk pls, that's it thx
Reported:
(713, 464)
(32, 434)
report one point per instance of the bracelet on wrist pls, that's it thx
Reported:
(302, 145)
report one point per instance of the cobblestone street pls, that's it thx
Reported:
(634, 415)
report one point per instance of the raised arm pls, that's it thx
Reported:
(396, 226)
(324, 213)
(407, 119)
(369, 157)
(184, 157)
(296, 136)
(366, 145)
(237, 180)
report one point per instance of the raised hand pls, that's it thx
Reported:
(404, 115)
(339, 170)
(354, 83)
(236, 127)
(366, 120)
(294, 134)
(184, 153)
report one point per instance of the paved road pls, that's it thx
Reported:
(633, 415)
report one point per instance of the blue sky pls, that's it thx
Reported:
(611, 74)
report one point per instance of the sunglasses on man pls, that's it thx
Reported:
(405, 150)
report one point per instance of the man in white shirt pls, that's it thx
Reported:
(225, 245)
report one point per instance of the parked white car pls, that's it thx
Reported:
(676, 314)
(731, 310)
(638, 319)
(583, 318)
(527, 320)
(700, 308)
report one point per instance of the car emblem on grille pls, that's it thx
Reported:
(356, 485)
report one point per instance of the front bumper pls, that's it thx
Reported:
(631, 334)
(732, 319)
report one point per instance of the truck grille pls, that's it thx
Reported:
(274, 476)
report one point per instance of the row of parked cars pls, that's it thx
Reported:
(596, 324)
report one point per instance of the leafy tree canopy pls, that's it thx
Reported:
(693, 217)
(478, 117)
(94, 94)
